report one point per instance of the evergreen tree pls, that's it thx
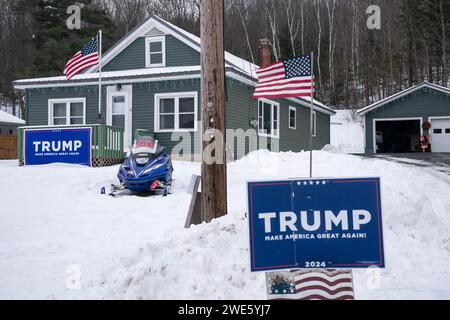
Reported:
(54, 44)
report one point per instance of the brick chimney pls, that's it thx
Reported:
(265, 55)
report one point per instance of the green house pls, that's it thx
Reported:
(151, 84)
(397, 123)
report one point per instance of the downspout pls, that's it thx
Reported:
(26, 106)
(365, 134)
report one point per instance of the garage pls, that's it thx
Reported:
(416, 119)
(440, 134)
(397, 135)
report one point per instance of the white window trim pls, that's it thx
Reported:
(272, 103)
(314, 134)
(437, 118)
(289, 117)
(67, 101)
(176, 96)
(148, 40)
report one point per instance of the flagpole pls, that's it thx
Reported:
(311, 118)
(100, 76)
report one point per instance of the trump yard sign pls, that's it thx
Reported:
(62, 145)
(315, 223)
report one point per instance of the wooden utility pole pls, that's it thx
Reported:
(214, 170)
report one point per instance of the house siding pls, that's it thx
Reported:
(133, 57)
(179, 54)
(239, 111)
(144, 111)
(5, 128)
(298, 139)
(420, 104)
(37, 102)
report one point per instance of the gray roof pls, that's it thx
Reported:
(403, 93)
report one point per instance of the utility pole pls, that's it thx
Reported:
(214, 165)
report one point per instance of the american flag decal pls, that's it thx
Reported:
(85, 58)
(287, 78)
(310, 284)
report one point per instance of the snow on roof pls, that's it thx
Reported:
(403, 93)
(115, 74)
(9, 118)
(308, 99)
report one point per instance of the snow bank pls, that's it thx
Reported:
(347, 132)
(211, 261)
(136, 247)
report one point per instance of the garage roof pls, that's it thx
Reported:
(403, 93)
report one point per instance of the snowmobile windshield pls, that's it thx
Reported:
(146, 145)
(145, 149)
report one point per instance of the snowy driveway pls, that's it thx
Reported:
(437, 161)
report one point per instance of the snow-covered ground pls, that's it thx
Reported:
(56, 227)
(347, 132)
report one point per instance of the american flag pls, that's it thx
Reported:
(287, 78)
(310, 284)
(83, 59)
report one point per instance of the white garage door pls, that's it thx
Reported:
(440, 135)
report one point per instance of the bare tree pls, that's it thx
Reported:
(293, 23)
(243, 12)
(317, 5)
(302, 19)
(444, 25)
(272, 15)
(330, 4)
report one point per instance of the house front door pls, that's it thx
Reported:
(120, 112)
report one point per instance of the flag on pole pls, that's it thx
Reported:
(310, 284)
(87, 57)
(289, 78)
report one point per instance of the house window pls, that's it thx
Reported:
(67, 111)
(176, 112)
(155, 48)
(292, 118)
(118, 111)
(268, 118)
(314, 123)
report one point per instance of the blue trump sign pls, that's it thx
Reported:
(315, 223)
(63, 145)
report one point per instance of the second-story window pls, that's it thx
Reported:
(155, 49)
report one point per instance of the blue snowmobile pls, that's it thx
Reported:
(147, 169)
